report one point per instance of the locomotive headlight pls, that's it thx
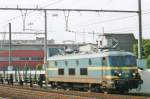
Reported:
(119, 74)
(134, 74)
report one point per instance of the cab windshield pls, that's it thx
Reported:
(127, 60)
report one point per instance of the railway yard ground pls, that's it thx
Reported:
(26, 92)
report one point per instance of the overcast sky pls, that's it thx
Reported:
(78, 21)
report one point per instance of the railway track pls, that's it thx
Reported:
(26, 92)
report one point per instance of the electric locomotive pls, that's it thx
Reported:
(99, 71)
(113, 70)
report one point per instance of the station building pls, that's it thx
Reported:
(31, 53)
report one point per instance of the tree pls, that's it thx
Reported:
(147, 49)
(135, 49)
(148, 61)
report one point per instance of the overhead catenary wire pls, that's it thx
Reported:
(119, 29)
(50, 4)
(70, 10)
(66, 19)
(4, 37)
(53, 3)
(129, 30)
(23, 32)
(24, 18)
(110, 20)
(24, 14)
(104, 21)
(13, 18)
(118, 18)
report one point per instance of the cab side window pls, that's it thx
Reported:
(104, 61)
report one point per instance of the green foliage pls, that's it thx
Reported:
(35, 78)
(26, 68)
(147, 49)
(39, 67)
(148, 61)
(135, 49)
(144, 41)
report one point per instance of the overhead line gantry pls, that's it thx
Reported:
(139, 12)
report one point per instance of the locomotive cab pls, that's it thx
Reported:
(124, 71)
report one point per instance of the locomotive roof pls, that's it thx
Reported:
(90, 55)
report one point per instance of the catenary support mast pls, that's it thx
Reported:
(140, 31)
(45, 40)
(9, 44)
